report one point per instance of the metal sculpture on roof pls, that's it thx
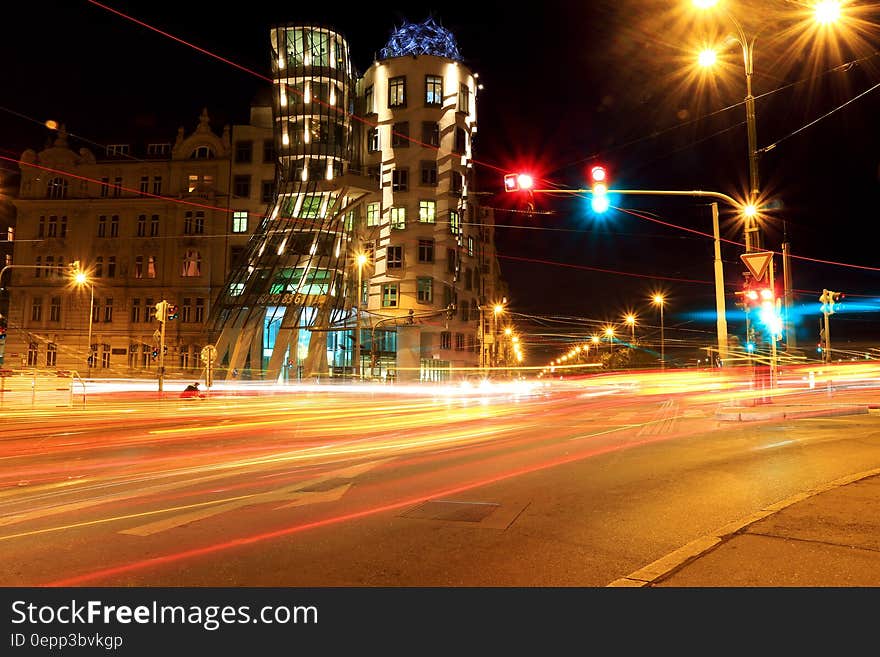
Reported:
(426, 38)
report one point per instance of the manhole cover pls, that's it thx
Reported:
(456, 511)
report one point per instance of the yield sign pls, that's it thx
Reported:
(757, 262)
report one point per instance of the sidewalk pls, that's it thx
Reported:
(825, 537)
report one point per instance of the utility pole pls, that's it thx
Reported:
(719, 289)
(162, 316)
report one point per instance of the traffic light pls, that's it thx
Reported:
(518, 182)
(155, 353)
(173, 312)
(162, 311)
(2, 332)
(831, 301)
(599, 183)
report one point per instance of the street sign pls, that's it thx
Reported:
(757, 262)
(209, 353)
(156, 335)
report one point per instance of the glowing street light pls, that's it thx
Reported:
(630, 320)
(827, 12)
(707, 58)
(360, 259)
(81, 278)
(660, 300)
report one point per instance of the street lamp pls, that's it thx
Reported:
(630, 319)
(659, 300)
(609, 333)
(361, 260)
(826, 13)
(80, 278)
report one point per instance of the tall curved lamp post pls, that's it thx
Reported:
(660, 300)
(81, 278)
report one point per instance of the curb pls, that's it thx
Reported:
(747, 415)
(678, 559)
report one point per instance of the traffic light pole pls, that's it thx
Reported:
(720, 303)
(827, 340)
(772, 337)
(162, 315)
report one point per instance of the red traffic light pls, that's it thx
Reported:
(598, 174)
(516, 182)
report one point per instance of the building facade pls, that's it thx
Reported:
(254, 233)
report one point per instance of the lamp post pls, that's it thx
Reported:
(361, 260)
(630, 319)
(497, 309)
(609, 333)
(659, 300)
(80, 278)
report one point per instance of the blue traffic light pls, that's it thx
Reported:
(750, 346)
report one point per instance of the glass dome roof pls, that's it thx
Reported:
(426, 38)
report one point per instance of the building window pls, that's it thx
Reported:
(51, 354)
(445, 340)
(158, 149)
(470, 246)
(192, 183)
(154, 225)
(400, 135)
(135, 311)
(105, 187)
(194, 223)
(459, 341)
(267, 193)
(464, 98)
(397, 92)
(111, 266)
(37, 309)
(56, 188)
(431, 134)
(62, 231)
(244, 151)
(117, 149)
(151, 267)
(400, 180)
(102, 226)
(38, 268)
(142, 225)
(149, 311)
(108, 309)
(398, 218)
(425, 290)
(394, 257)
(41, 228)
(429, 173)
(389, 295)
(374, 143)
(117, 186)
(239, 221)
(144, 185)
(268, 151)
(374, 212)
(454, 222)
(99, 266)
(369, 106)
(426, 251)
(241, 186)
(451, 261)
(105, 355)
(235, 255)
(433, 90)
(200, 310)
(157, 185)
(192, 264)
(202, 153)
(459, 145)
(456, 182)
(53, 226)
(55, 309)
(427, 212)
(186, 310)
(114, 226)
(33, 350)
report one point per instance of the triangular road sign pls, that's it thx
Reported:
(757, 262)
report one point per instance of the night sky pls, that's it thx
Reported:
(567, 85)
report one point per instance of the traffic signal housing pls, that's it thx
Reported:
(173, 312)
(831, 301)
(518, 182)
(599, 188)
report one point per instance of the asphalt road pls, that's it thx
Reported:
(574, 484)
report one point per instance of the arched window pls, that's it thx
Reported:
(192, 263)
(56, 188)
(202, 153)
